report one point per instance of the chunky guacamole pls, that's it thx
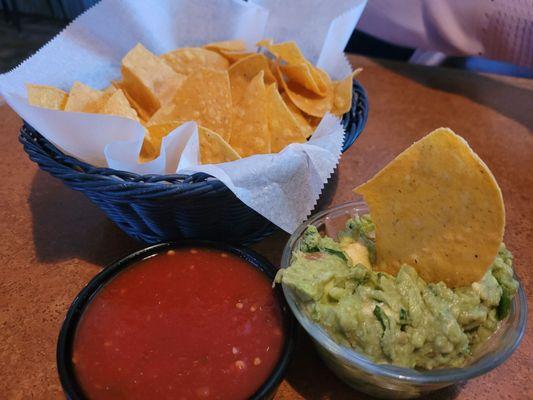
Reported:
(401, 320)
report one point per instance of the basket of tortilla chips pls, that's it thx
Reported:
(244, 104)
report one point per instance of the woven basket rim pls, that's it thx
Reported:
(31, 138)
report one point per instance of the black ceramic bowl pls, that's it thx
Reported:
(65, 342)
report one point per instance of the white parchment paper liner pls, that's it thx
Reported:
(282, 187)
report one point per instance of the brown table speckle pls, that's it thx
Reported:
(53, 240)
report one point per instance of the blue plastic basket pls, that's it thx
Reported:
(156, 208)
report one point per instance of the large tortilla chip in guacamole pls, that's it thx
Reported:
(438, 208)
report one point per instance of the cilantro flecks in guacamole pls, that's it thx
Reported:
(400, 320)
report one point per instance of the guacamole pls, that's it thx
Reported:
(400, 320)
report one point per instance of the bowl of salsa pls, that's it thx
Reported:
(196, 320)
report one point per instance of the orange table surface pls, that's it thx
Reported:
(54, 240)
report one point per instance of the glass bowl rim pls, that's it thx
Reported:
(410, 375)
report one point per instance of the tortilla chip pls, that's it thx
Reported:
(204, 97)
(306, 127)
(304, 75)
(438, 208)
(283, 126)
(231, 50)
(149, 150)
(234, 56)
(213, 148)
(154, 137)
(46, 96)
(84, 98)
(188, 59)
(286, 51)
(149, 80)
(226, 45)
(243, 71)
(118, 105)
(273, 65)
(141, 112)
(313, 122)
(110, 89)
(322, 80)
(307, 101)
(161, 130)
(297, 68)
(250, 127)
(342, 94)
(265, 43)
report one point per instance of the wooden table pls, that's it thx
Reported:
(53, 240)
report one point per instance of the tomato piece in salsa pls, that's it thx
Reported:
(186, 324)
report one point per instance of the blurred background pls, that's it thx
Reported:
(26, 25)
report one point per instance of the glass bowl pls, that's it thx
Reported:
(388, 381)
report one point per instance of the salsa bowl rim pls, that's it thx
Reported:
(65, 368)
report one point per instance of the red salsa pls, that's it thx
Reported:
(187, 324)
